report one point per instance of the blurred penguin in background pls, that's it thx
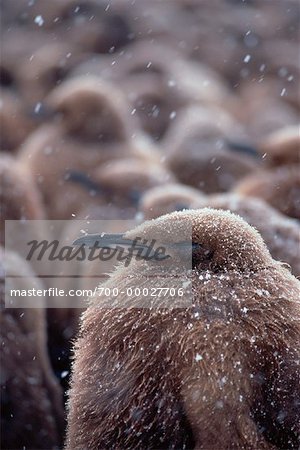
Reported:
(32, 414)
(203, 150)
(280, 187)
(91, 127)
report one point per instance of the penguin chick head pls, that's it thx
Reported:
(282, 146)
(92, 110)
(167, 198)
(216, 240)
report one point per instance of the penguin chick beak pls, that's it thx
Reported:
(41, 113)
(82, 179)
(102, 240)
(134, 247)
(241, 147)
(135, 197)
(108, 240)
(184, 249)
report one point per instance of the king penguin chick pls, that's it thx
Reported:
(19, 198)
(32, 413)
(201, 152)
(280, 187)
(93, 125)
(215, 368)
(162, 200)
(282, 147)
(15, 123)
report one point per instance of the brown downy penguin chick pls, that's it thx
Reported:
(144, 60)
(281, 147)
(15, 122)
(128, 179)
(283, 55)
(64, 321)
(157, 99)
(93, 126)
(157, 88)
(205, 150)
(280, 187)
(116, 188)
(13, 54)
(47, 70)
(119, 183)
(91, 109)
(225, 51)
(162, 200)
(19, 198)
(245, 29)
(144, 76)
(262, 110)
(217, 368)
(89, 25)
(154, 103)
(32, 413)
(280, 233)
(139, 60)
(20, 202)
(20, 11)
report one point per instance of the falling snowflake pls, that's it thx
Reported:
(39, 21)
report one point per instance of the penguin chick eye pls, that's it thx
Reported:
(201, 257)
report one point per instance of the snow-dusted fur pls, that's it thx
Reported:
(280, 233)
(221, 372)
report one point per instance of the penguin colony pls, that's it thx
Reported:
(182, 116)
